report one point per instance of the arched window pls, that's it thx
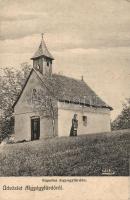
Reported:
(34, 95)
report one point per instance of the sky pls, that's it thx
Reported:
(86, 37)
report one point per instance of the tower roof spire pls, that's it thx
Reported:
(42, 50)
(42, 35)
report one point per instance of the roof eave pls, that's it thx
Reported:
(33, 58)
(22, 89)
(85, 104)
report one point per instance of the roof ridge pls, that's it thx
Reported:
(82, 81)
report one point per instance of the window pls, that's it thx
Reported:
(34, 95)
(84, 118)
(48, 63)
(34, 91)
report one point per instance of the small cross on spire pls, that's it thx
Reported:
(42, 35)
(82, 78)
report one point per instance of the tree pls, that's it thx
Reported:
(123, 120)
(45, 104)
(11, 83)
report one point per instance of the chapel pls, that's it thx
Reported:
(48, 101)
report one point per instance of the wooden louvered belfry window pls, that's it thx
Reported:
(48, 63)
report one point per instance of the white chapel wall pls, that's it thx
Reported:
(23, 126)
(24, 111)
(98, 119)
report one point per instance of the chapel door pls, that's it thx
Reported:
(35, 128)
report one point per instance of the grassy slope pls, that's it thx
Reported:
(80, 156)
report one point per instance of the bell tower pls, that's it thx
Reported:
(42, 59)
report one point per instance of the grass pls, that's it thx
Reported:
(86, 155)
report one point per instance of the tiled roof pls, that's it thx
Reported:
(69, 90)
(72, 90)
